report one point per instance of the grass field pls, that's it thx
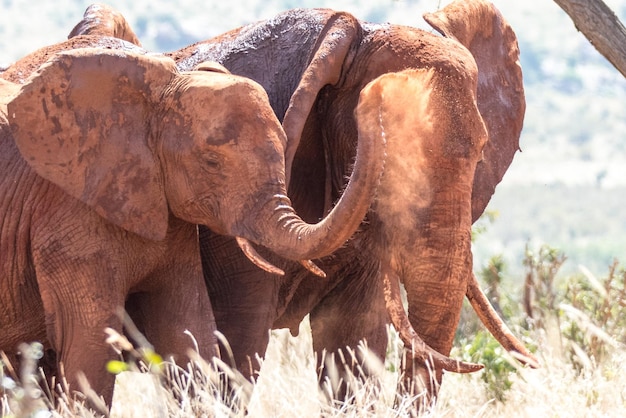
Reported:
(287, 387)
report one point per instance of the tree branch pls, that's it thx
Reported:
(601, 27)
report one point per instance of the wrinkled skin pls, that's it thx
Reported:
(330, 78)
(442, 98)
(107, 168)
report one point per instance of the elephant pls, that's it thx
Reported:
(109, 161)
(451, 109)
(327, 75)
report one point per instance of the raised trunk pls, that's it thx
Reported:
(278, 228)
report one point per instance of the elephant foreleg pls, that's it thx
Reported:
(75, 321)
(349, 325)
(244, 300)
(176, 307)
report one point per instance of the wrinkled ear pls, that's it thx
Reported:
(480, 27)
(101, 19)
(325, 67)
(81, 121)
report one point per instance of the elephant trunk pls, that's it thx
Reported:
(435, 277)
(433, 262)
(278, 228)
(436, 289)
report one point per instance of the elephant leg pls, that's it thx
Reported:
(246, 325)
(353, 313)
(164, 315)
(173, 299)
(75, 321)
(243, 298)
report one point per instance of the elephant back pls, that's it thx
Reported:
(265, 52)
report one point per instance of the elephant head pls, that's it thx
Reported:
(482, 29)
(137, 140)
(435, 136)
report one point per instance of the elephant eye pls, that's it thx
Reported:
(211, 161)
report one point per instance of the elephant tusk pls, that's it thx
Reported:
(419, 349)
(494, 324)
(310, 266)
(256, 258)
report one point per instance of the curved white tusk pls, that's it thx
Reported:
(496, 326)
(310, 266)
(412, 341)
(256, 258)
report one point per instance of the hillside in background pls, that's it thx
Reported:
(565, 189)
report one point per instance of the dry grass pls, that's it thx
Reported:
(287, 387)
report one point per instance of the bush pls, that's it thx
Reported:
(581, 317)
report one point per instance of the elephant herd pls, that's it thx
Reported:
(210, 187)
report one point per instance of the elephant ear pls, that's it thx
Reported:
(480, 27)
(325, 67)
(81, 122)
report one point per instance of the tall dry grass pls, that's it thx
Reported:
(287, 387)
(576, 325)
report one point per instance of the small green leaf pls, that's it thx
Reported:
(152, 358)
(116, 367)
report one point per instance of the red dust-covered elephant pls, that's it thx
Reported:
(450, 108)
(109, 159)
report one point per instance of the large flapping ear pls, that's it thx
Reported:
(102, 19)
(325, 67)
(480, 27)
(82, 120)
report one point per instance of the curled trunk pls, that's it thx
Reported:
(278, 228)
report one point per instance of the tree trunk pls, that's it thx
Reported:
(601, 27)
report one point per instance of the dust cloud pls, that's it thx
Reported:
(407, 121)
